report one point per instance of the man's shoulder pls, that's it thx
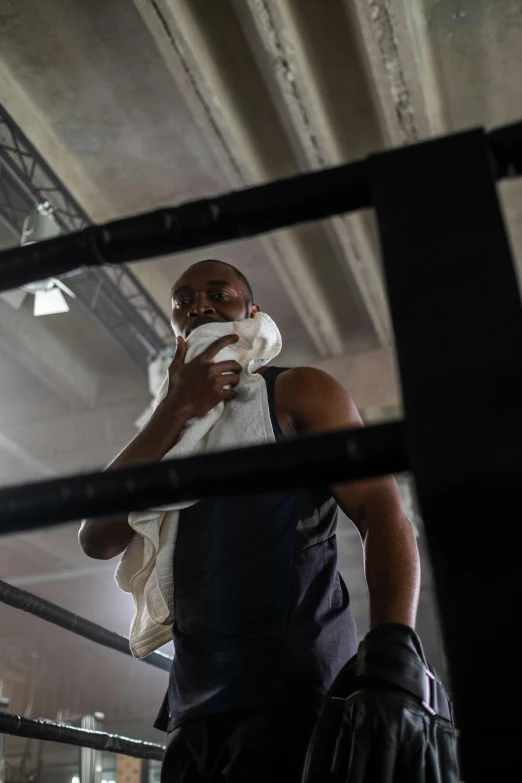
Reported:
(303, 385)
(306, 377)
(311, 400)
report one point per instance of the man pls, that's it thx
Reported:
(263, 620)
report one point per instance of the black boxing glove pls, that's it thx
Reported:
(386, 719)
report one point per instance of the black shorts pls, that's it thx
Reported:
(244, 745)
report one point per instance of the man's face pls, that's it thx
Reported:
(206, 293)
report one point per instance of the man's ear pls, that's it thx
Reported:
(253, 310)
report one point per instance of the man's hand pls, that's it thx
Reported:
(386, 719)
(198, 386)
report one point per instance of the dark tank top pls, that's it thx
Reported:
(262, 615)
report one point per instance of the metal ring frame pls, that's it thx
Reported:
(457, 317)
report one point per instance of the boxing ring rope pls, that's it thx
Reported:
(234, 215)
(342, 455)
(57, 732)
(457, 317)
(57, 615)
(51, 731)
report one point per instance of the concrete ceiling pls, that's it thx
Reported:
(141, 104)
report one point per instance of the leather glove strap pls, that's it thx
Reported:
(401, 662)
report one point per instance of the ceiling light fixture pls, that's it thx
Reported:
(48, 294)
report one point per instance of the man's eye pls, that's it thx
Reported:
(219, 295)
(182, 302)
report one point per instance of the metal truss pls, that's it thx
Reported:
(114, 298)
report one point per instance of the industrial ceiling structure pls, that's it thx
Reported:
(114, 108)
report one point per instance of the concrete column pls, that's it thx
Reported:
(4, 705)
(90, 759)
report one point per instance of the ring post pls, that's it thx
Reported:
(457, 316)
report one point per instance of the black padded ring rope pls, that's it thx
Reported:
(39, 607)
(234, 215)
(208, 221)
(337, 456)
(69, 735)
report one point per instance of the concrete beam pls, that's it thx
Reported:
(292, 70)
(370, 377)
(242, 128)
(37, 467)
(48, 358)
(399, 57)
(85, 440)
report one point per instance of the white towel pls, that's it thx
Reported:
(146, 568)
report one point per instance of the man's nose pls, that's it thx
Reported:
(201, 306)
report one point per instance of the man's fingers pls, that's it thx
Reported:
(230, 379)
(181, 350)
(230, 366)
(229, 394)
(217, 346)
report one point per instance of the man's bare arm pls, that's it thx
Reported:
(193, 389)
(106, 537)
(318, 403)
